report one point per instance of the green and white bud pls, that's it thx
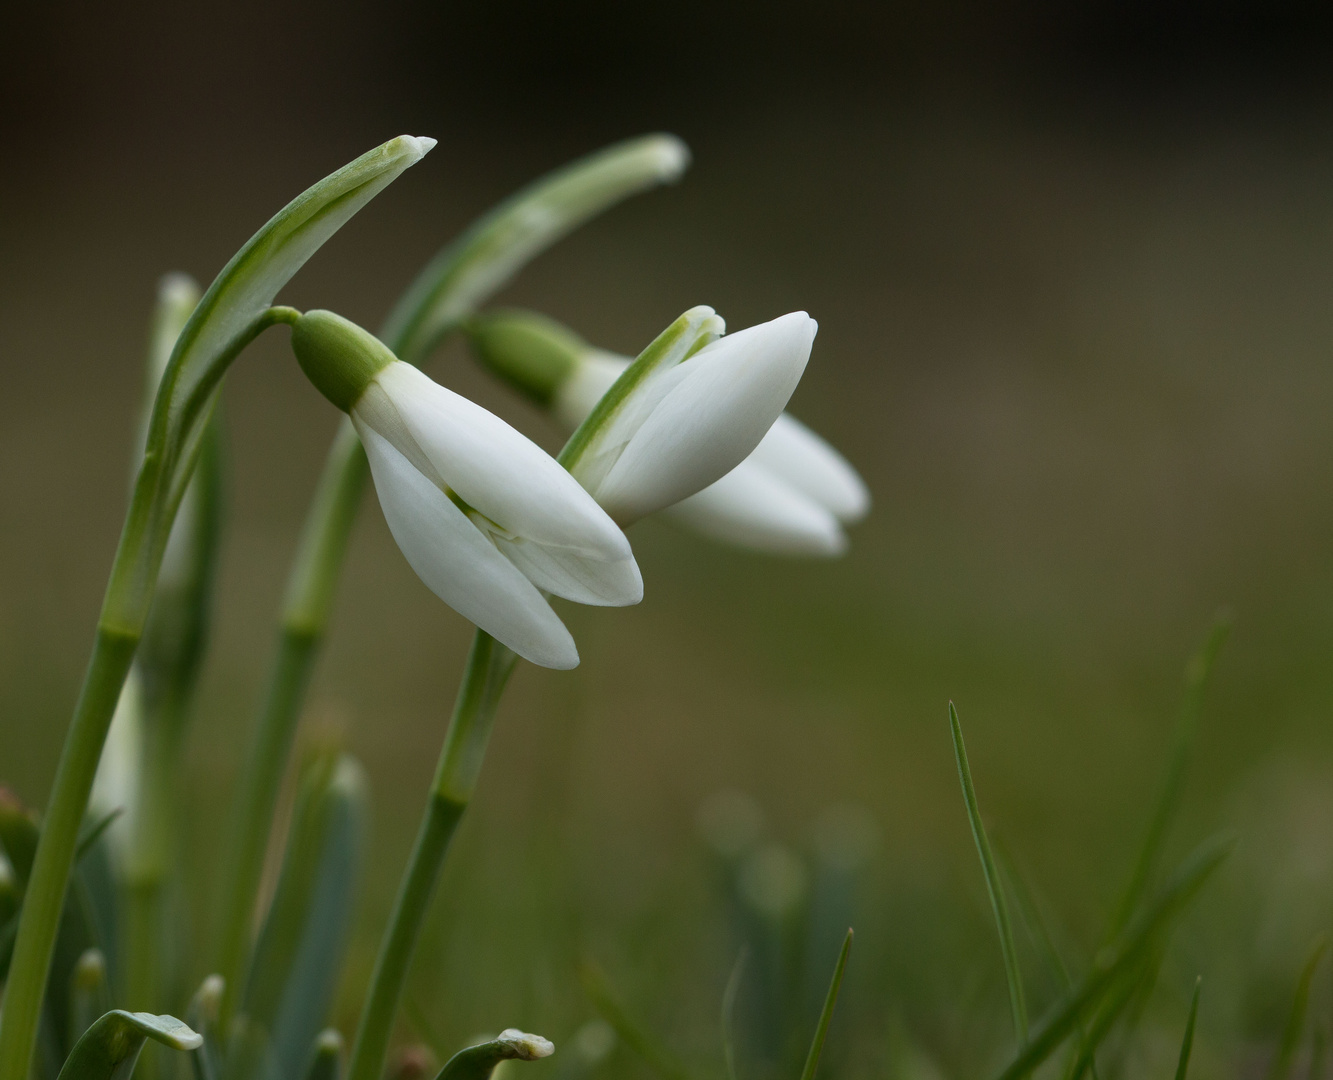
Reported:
(339, 357)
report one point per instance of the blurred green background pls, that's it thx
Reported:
(1071, 266)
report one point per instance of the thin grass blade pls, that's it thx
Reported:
(1197, 672)
(826, 1015)
(661, 1060)
(1187, 1042)
(994, 886)
(1291, 1034)
(1122, 956)
(729, 996)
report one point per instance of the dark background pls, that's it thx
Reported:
(1072, 265)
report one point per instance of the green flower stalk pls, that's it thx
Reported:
(233, 312)
(162, 683)
(462, 276)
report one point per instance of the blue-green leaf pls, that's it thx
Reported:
(299, 953)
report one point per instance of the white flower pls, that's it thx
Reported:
(484, 516)
(792, 495)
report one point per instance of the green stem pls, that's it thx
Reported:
(259, 794)
(44, 898)
(305, 616)
(488, 668)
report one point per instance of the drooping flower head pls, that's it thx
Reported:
(486, 518)
(792, 494)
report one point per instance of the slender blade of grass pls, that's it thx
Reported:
(1318, 1051)
(1121, 957)
(826, 1014)
(1168, 797)
(1187, 1043)
(728, 1013)
(994, 886)
(598, 988)
(1034, 914)
(93, 832)
(1110, 1010)
(1291, 1034)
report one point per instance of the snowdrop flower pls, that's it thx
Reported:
(792, 495)
(484, 516)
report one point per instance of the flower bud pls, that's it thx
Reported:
(533, 354)
(338, 356)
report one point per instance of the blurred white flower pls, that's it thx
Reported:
(791, 495)
(485, 517)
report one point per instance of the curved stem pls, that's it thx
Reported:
(488, 668)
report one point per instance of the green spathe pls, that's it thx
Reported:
(533, 354)
(338, 356)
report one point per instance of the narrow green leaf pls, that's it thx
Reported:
(1187, 1043)
(1122, 956)
(326, 1056)
(1318, 1051)
(233, 311)
(111, 1046)
(995, 887)
(1168, 797)
(299, 953)
(467, 272)
(92, 832)
(1291, 1034)
(729, 995)
(89, 994)
(1034, 913)
(478, 1062)
(826, 1014)
(1107, 1013)
(202, 1015)
(661, 1060)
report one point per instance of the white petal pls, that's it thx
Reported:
(793, 452)
(459, 564)
(751, 508)
(585, 581)
(493, 467)
(721, 403)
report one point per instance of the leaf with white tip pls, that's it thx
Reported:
(109, 1049)
(478, 1062)
(233, 311)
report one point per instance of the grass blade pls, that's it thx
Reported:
(1017, 1004)
(1187, 1043)
(1291, 1034)
(1168, 797)
(658, 1057)
(478, 1062)
(1121, 957)
(728, 1014)
(826, 1014)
